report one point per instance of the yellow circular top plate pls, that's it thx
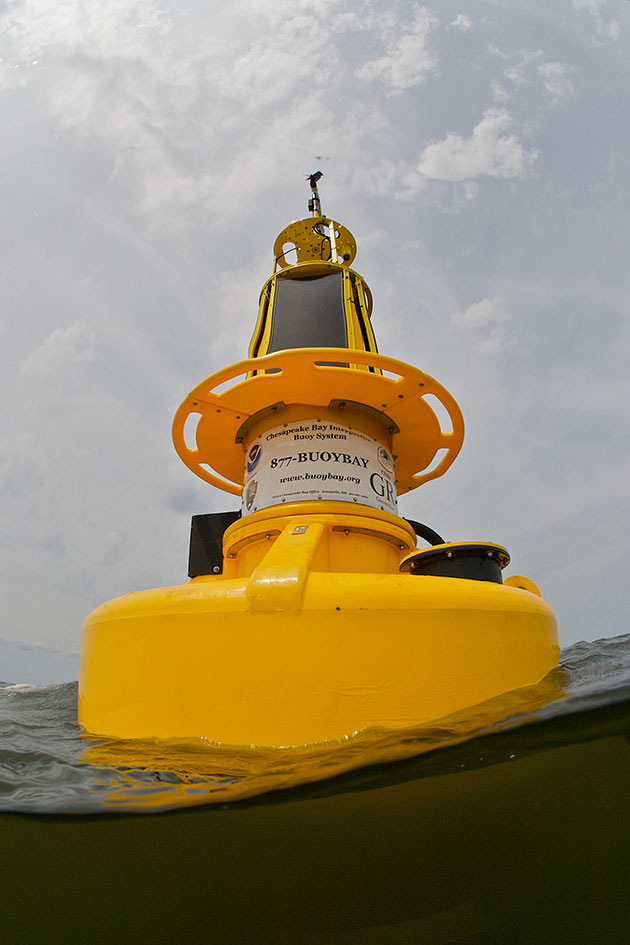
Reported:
(225, 401)
(311, 240)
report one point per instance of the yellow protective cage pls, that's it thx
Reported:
(313, 299)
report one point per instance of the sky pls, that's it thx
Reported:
(152, 151)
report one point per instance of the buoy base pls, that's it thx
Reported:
(273, 662)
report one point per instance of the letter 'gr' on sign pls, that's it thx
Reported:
(316, 459)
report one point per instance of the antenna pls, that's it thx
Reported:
(314, 204)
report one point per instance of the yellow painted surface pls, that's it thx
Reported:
(292, 655)
(354, 538)
(308, 241)
(227, 402)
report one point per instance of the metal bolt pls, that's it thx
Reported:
(216, 569)
(449, 554)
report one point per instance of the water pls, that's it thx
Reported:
(49, 766)
(509, 823)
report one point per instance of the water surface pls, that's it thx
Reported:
(49, 766)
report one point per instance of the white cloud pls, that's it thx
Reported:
(64, 347)
(521, 56)
(280, 11)
(556, 78)
(36, 31)
(489, 311)
(516, 75)
(462, 22)
(519, 74)
(499, 93)
(492, 150)
(485, 321)
(408, 58)
(528, 66)
(606, 29)
(446, 196)
(273, 67)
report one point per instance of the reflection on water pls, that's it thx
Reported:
(159, 775)
(47, 765)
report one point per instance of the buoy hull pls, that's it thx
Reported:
(351, 652)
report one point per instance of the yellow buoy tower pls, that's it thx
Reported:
(310, 614)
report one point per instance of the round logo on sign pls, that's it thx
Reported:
(253, 457)
(250, 494)
(385, 459)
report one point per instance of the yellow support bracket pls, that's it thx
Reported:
(279, 581)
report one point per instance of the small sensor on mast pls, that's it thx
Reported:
(314, 204)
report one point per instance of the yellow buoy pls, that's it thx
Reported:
(311, 614)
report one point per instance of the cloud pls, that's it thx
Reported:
(606, 29)
(485, 321)
(273, 67)
(64, 347)
(527, 66)
(408, 58)
(34, 33)
(521, 56)
(499, 93)
(556, 78)
(519, 73)
(462, 22)
(492, 150)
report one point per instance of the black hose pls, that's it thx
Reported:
(423, 531)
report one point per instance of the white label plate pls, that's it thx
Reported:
(316, 459)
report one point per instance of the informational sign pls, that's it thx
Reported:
(316, 459)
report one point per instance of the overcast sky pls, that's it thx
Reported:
(151, 152)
